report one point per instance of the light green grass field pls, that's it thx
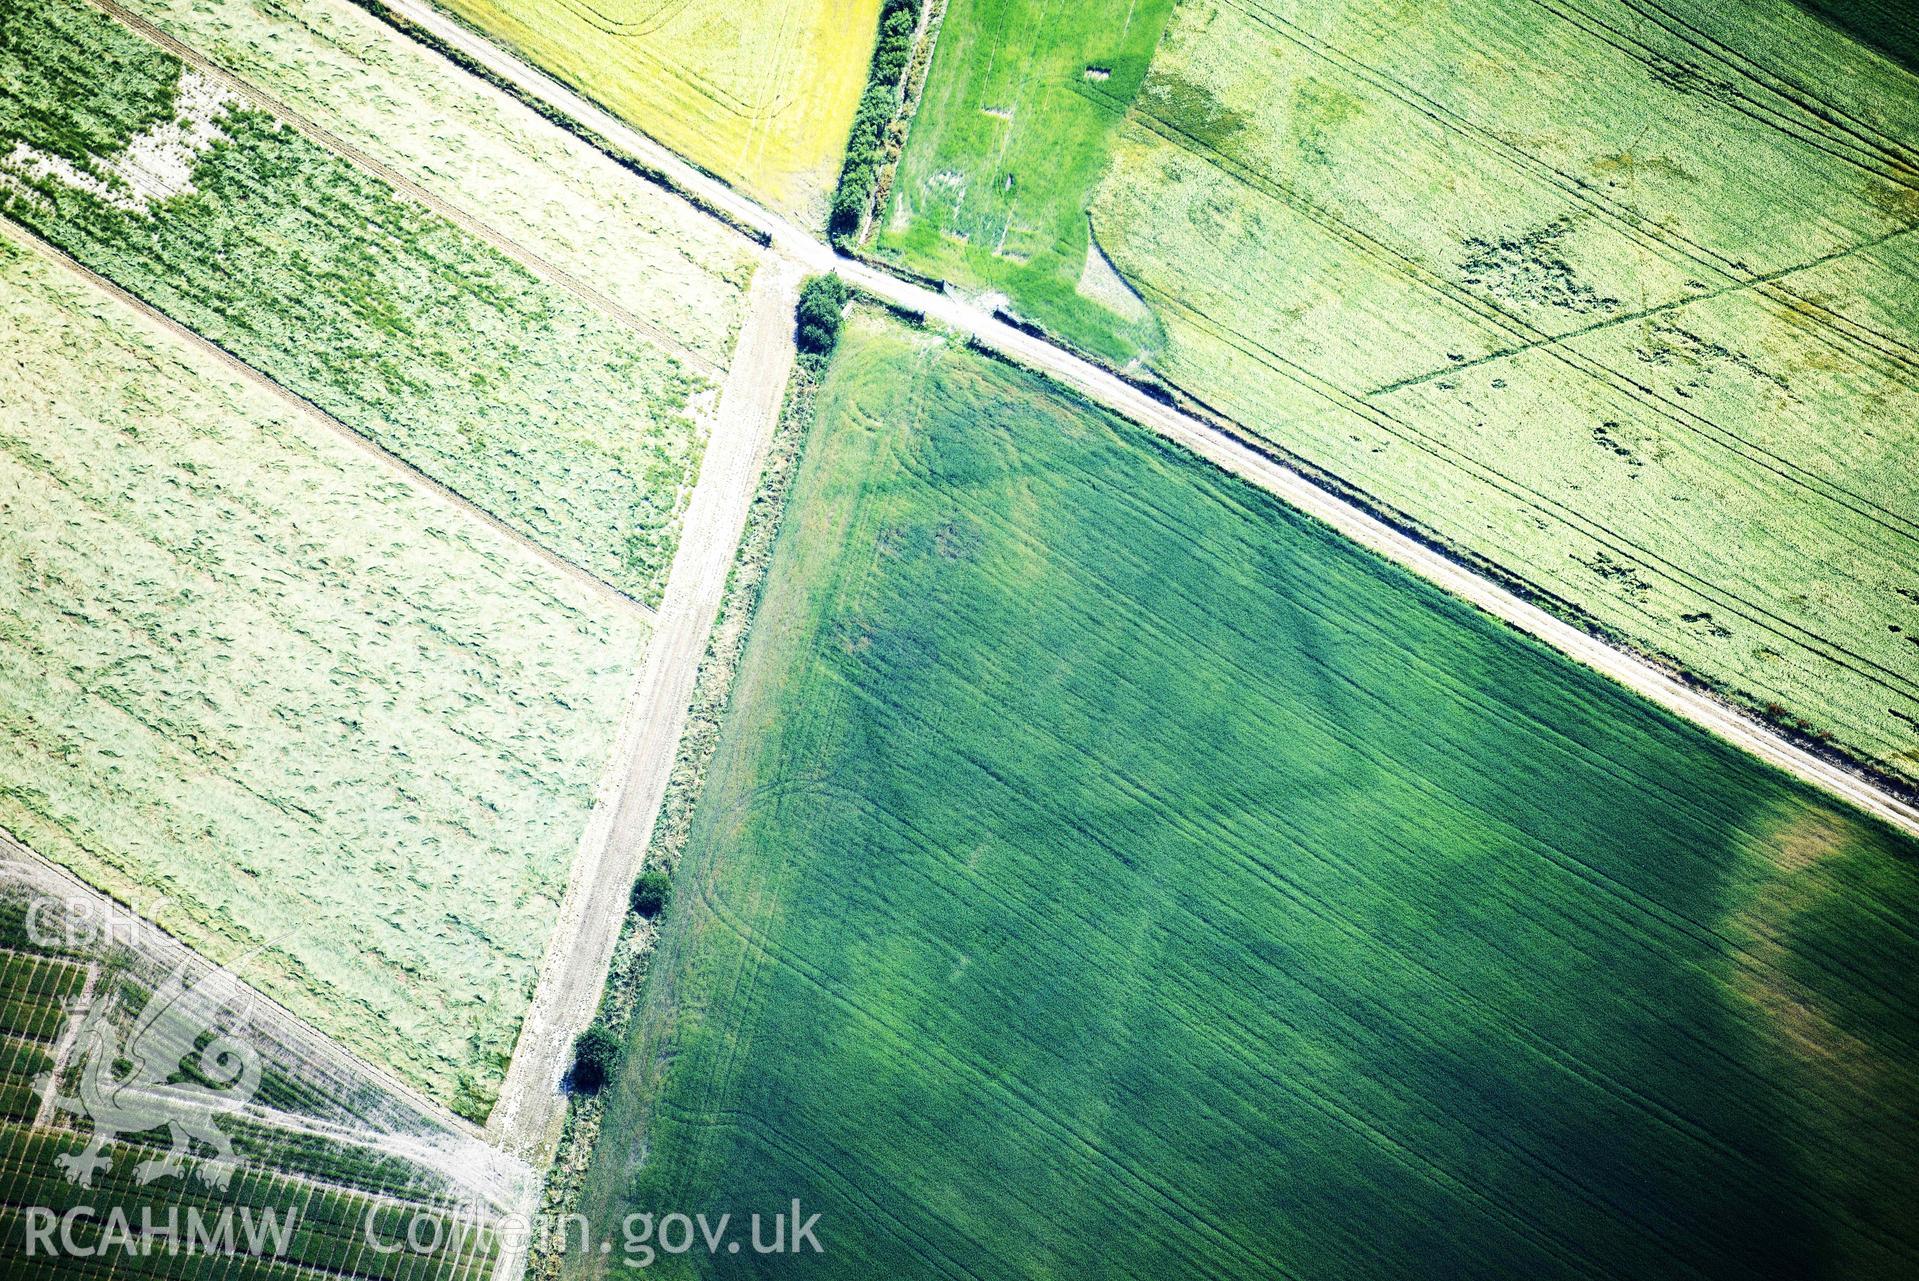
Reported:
(1108, 872)
(1013, 132)
(415, 112)
(561, 420)
(351, 733)
(1614, 297)
(761, 94)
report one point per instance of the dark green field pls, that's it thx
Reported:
(1109, 872)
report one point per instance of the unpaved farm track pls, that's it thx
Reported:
(1213, 443)
(405, 470)
(579, 953)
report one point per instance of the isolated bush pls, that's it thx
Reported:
(596, 1059)
(651, 892)
(822, 300)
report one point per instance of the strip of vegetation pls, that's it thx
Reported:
(867, 146)
(652, 891)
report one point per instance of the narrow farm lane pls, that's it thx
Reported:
(526, 1120)
(1216, 445)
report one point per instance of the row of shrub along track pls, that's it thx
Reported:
(580, 950)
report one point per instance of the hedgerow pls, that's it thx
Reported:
(859, 175)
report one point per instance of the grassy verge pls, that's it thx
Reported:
(712, 691)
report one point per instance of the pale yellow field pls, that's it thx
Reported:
(760, 92)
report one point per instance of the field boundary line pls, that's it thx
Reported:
(418, 479)
(541, 267)
(1215, 443)
(579, 952)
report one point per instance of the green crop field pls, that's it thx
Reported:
(351, 732)
(1012, 134)
(560, 420)
(761, 94)
(413, 111)
(1612, 296)
(1106, 871)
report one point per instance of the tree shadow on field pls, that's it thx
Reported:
(1889, 26)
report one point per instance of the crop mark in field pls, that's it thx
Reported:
(1844, 144)
(1903, 162)
(1529, 268)
(27, 240)
(1794, 633)
(1758, 284)
(153, 165)
(1490, 312)
(1659, 239)
(533, 262)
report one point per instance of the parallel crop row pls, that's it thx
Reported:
(560, 420)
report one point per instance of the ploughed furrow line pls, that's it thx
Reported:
(958, 693)
(1660, 239)
(1891, 681)
(1864, 156)
(1528, 336)
(910, 1049)
(533, 262)
(1908, 364)
(1272, 877)
(1897, 152)
(1653, 236)
(413, 475)
(1656, 238)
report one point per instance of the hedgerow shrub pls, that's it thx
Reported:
(818, 316)
(859, 175)
(651, 892)
(596, 1059)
